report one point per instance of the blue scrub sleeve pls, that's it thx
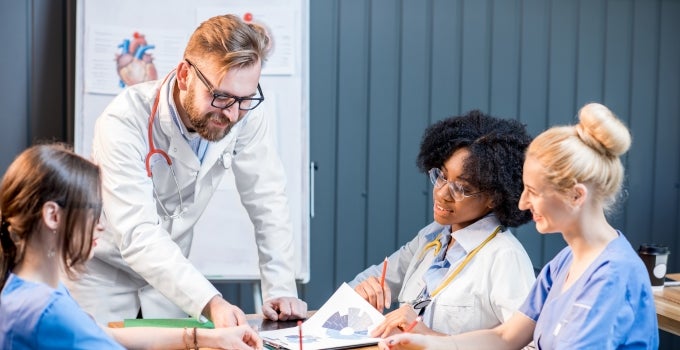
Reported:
(533, 304)
(64, 325)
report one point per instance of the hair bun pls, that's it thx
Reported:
(601, 130)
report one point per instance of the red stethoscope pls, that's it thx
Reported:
(153, 150)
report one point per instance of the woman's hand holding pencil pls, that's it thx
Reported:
(401, 320)
(376, 291)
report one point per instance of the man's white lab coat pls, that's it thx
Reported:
(140, 246)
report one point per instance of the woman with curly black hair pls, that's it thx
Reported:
(465, 270)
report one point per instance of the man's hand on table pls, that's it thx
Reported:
(224, 314)
(284, 309)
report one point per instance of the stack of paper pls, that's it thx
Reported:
(344, 321)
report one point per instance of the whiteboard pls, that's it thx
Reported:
(224, 245)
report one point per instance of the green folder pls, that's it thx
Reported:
(167, 323)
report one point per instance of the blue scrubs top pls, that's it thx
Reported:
(36, 316)
(611, 306)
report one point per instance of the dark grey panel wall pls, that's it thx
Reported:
(14, 68)
(381, 71)
(36, 70)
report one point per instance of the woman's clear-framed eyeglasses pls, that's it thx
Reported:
(455, 189)
(224, 101)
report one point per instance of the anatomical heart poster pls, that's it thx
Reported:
(117, 57)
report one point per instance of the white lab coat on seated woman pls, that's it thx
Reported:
(483, 295)
(142, 255)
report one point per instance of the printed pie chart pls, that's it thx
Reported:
(352, 325)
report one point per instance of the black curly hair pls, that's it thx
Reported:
(496, 147)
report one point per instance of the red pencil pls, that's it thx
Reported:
(300, 332)
(413, 324)
(384, 272)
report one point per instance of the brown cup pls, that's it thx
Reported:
(655, 258)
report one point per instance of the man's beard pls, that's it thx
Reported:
(201, 123)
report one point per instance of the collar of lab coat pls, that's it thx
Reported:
(472, 236)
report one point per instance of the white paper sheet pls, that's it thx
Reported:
(344, 321)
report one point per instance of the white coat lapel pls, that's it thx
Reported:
(219, 153)
(176, 146)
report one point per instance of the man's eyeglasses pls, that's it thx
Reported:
(455, 189)
(223, 101)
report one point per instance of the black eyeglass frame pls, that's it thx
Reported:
(211, 89)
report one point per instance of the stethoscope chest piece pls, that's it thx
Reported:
(421, 304)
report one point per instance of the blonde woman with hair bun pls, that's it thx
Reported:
(595, 293)
(587, 152)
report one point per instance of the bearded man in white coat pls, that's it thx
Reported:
(204, 115)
